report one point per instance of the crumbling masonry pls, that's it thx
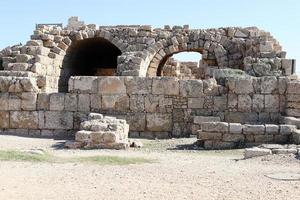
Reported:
(243, 91)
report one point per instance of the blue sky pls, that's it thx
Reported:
(281, 18)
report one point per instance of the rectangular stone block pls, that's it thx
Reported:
(232, 100)
(240, 85)
(85, 84)
(165, 85)
(221, 127)
(71, 102)
(136, 121)
(191, 88)
(158, 122)
(293, 87)
(202, 135)
(24, 119)
(269, 85)
(57, 101)
(4, 119)
(258, 103)
(263, 138)
(254, 129)
(293, 112)
(220, 103)
(43, 101)
(244, 103)
(158, 103)
(137, 103)
(29, 101)
(235, 128)
(96, 104)
(202, 119)
(111, 85)
(14, 102)
(285, 129)
(4, 99)
(287, 66)
(58, 120)
(272, 129)
(84, 102)
(138, 85)
(272, 103)
(196, 102)
(228, 137)
(115, 102)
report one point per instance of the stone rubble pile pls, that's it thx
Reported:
(101, 132)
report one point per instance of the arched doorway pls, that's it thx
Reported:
(89, 57)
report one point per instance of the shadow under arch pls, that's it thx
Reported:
(89, 57)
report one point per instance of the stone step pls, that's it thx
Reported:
(17, 73)
(202, 119)
(291, 121)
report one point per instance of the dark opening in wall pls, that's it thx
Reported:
(89, 57)
(1, 64)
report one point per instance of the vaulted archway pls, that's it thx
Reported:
(89, 57)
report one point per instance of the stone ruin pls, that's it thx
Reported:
(244, 91)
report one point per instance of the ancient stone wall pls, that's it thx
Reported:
(154, 107)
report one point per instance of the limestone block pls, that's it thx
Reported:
(201, 135)
(219, 127)
(136, 121)
(258, 102)
(45, 60)
(228, 137)
(293, 87)
(58, 120)
(232, 101)
(165, 85)
(43, 101)
(4, 99)
(235, 128)
(269, 84)
(158, 122)
(23, 58)
(83, 102)
(255, 152)
(282, 84)
(70, 102)
(241, 117)
(296, 139)
(202, 119)
(138, 85)
(83, 136)
(272, 129)
(267, 47)
(272, 103)
(24, 119)
(157, 103)
(195, 102)
(240, 85)
(191, 88)
(263, 138)
(111, 85)
(286, 129)
(253, 129)
(14, 102)
(57, 101)
(85, 84)
(244, 103)
(29, 101)
(18, 66)
(220, 103)
(287, 66)
(115, 102)
(96, 104)
(137, 103)
(4, 119)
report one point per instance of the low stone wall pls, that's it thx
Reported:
(153, 107)
(221, 135)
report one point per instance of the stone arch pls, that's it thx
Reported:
(89, 54)
(213, 53)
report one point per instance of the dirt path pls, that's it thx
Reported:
(180, 174)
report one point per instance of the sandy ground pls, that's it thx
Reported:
(177, 174)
